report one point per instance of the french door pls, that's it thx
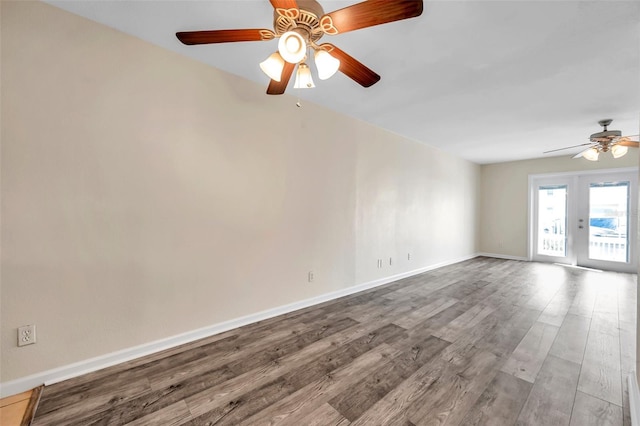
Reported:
(586, 220)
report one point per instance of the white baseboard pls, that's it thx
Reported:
(634, 399)
(93, 364)
(504, 256)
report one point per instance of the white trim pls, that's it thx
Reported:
(530, 207)
(570, 181)
(504, 256)
(634, 399)
(59, 374)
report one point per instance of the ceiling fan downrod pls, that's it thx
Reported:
(604, 123)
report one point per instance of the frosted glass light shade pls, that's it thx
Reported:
(618, 151)
(292, 47)
(326, 64)
(303, 78)
(591, 154)
(272, 66)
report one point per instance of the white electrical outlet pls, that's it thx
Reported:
(311, 276)
(26, 335)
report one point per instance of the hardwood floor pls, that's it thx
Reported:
(12, 409)
(18, 410)
(481, 342)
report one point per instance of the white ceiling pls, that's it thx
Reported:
(489, 81)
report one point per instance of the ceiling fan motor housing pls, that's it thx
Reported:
(605, 136)
(306, 23)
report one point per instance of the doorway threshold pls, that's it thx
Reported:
(584, 268)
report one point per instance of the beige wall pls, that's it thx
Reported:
(504, 204)
(146, 195)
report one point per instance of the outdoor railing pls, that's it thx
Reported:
(608, 248)
(553, 245)
(613, 248)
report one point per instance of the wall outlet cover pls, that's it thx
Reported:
(26, 335)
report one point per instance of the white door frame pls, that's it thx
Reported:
(583, 234)
(572, 178)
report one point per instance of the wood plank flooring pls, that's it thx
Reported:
(482, 342)
(13, 408)
(18, 410)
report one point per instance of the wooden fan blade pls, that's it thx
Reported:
(278, 87)
(627, 142)
(351, 67)
(368, 14)
(568, 147)
(284, 4)
(224, 36)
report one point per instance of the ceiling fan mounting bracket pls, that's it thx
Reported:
(604, 123)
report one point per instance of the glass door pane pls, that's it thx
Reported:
(552, 220)
(609, 221)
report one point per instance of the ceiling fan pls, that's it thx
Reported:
(299, 24)
(604, 141)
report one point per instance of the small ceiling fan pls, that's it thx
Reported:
(604, 141)
(299, 24)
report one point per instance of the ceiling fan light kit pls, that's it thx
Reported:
(273, 66)
(591, 154)
(618, 151)
(292, 47)
(326, 64)
(299, 24)
(303, 78)
(604, 141)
